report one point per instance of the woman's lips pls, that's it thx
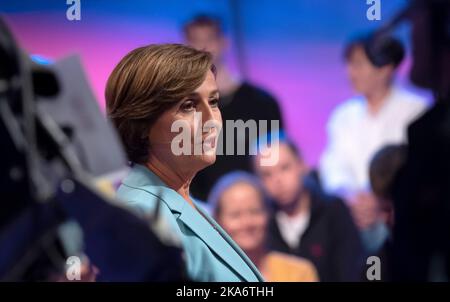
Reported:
(210, 141)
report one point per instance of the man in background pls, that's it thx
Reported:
(306, 221)
(239, 100)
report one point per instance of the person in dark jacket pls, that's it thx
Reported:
(306, 222)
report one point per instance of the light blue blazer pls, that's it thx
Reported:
(211, 255)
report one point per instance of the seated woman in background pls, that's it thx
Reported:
(239, 206)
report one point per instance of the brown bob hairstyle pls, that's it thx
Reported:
(146, 82)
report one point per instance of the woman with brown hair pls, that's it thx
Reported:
(153, 92)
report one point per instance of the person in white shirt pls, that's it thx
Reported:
(364, 124)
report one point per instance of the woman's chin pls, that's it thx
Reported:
(249, 246)
(207, 159)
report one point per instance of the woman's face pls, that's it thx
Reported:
(243, 216)
(185, 136)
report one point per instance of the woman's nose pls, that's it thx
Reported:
(207, 111)
(278, 179)
(249, 223)
(211, 119)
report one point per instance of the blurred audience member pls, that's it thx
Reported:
(239, 206)
(307, 222)
(383, 169)
(239, 100)
(363, 124)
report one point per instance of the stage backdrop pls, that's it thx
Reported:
(292, 48)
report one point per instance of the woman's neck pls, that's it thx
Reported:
(173, 178)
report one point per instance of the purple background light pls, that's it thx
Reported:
(291, 48)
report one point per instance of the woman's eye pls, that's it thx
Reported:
(188, 106)
(214, 102)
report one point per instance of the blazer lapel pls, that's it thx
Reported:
(207, 230)
(233, 245)
(210, 235)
